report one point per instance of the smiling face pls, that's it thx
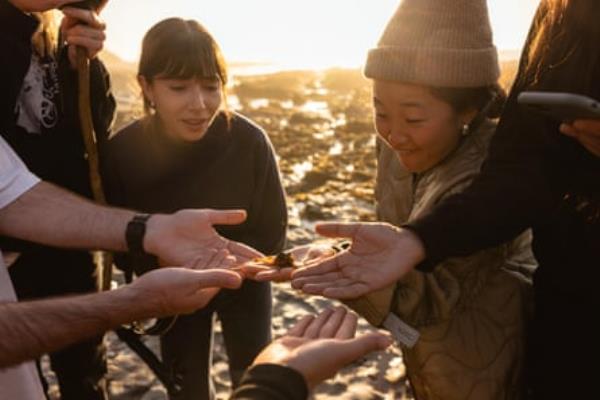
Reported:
(418, 126)
(186, 107)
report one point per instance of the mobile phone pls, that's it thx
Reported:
(561, 106)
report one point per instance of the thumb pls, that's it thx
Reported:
(217, 278)
(338, 229)
(365, 344)
(225, 217)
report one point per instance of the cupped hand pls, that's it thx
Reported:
(317, 347)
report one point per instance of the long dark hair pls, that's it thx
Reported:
(563, 51)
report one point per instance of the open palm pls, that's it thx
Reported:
(380, 254)
(189, 238)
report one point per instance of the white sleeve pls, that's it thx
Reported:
(15, 178)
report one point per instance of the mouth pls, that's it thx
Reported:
(195, 123)
(405, 151)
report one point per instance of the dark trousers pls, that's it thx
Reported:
(245, 315)
(42, 272)
(564, 349)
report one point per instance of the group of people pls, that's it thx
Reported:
(489, 232)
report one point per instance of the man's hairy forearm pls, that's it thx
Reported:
(29, 329)
(49, 215)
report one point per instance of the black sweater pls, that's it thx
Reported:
(232, 166)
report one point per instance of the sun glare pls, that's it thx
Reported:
(291, 33)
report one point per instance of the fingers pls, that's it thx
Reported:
(314, 328)
(338, 229)
(300, 327)
(348, 292)
(282, 275)
(243, 252)
(92, 46)
(365, 344)
(326, 280)
(86, 17)
(225, 217)
(217, 278)
(589, 126)
(347, 328)
(334, 322)
(320, 267)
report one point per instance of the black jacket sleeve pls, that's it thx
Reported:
(271, 382)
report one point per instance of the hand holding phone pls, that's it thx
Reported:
(566, 107)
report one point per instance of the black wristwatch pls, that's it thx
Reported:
(135, 232)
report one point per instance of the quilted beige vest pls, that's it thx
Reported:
(471, 311)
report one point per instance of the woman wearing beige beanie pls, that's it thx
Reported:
(540, 174)
(435, 93)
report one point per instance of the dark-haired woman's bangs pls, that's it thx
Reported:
(190, 60)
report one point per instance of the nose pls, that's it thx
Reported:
(198, 98)
(396, 138)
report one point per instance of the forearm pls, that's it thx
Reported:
(52, 216)
(29, 329)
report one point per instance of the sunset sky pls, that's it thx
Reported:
(290, 33)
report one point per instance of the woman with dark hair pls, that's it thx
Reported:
(534, 176)
(190, 152)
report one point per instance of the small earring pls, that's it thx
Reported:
(465, 130)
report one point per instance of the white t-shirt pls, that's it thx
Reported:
(22, 381)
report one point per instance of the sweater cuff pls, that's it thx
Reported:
(428, 235)
(17, 23)
(272, 381)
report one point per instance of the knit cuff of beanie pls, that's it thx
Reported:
(442, 67)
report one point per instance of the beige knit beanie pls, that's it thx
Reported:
(443, 43)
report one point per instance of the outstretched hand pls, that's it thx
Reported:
(317, 347)
(380, 254)
(189, 238)
(171, 291)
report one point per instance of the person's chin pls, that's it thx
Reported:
(193, 134)
(408, 161)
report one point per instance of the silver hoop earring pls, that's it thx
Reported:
(465, 130)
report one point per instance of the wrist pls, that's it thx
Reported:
(152, 237)
(412, 245)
